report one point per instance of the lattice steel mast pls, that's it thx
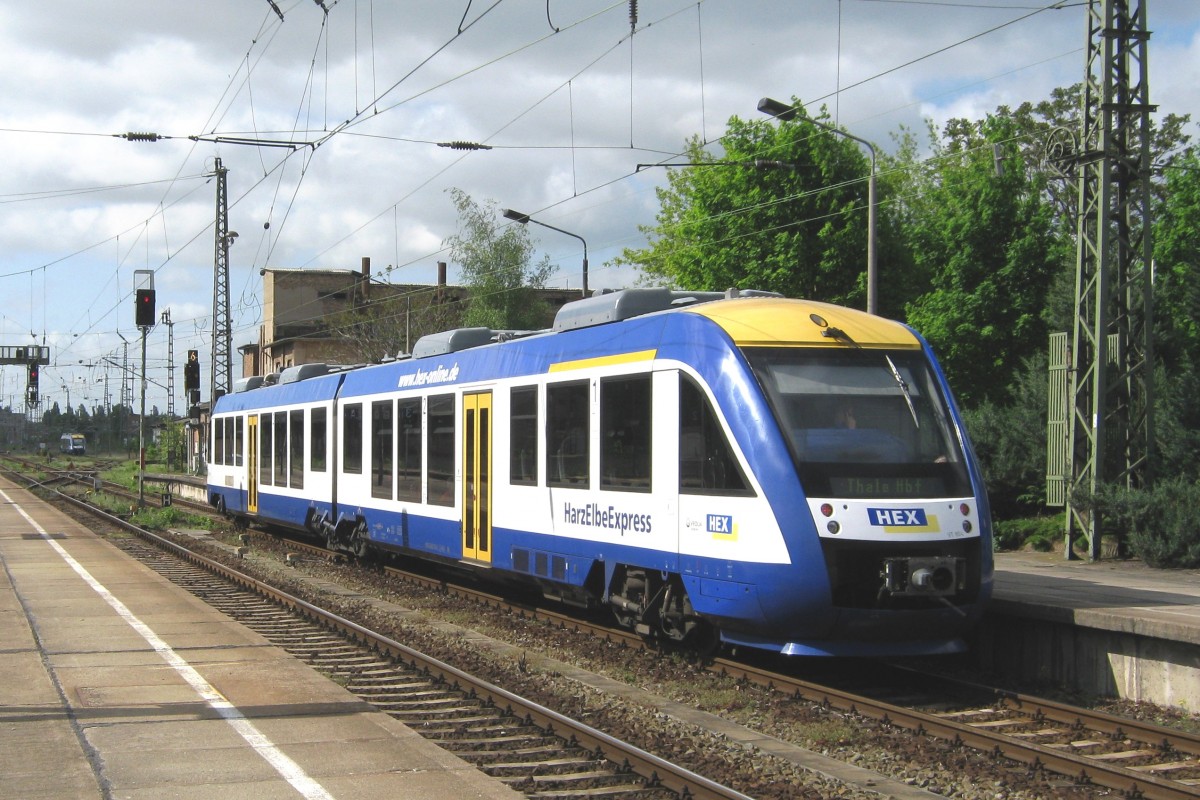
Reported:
(1111, 429)
(222, 363)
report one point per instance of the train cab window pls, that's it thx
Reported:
(523, 436)
(317, 428)
(706, 461)
(626, 409)
(440, 457)
(264, 450)
(567, 434)
(352, 432)
(296, 450)
(281, 446)
(408, 450)
(218, 444)
(864, 423)
(383, 449)
(239, 434)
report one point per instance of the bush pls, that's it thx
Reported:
(1041, 533)
(1160, 526)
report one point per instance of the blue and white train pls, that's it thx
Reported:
(763, 472)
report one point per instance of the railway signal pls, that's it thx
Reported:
(144, 311)
(191, 376)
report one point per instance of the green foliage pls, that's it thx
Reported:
(1009, 437)
(497, 267)
(799, 229)
(1159, 525)
(169, 517)
(1041, 533)
(988, 243)
(1177, 263)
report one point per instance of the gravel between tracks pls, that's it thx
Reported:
(542, 662)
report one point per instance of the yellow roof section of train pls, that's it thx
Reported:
(777, 321)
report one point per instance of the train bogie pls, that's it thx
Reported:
(778, 474)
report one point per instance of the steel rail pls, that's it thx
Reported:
(1134, 783)
(657, 771)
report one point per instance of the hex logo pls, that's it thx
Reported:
(898, 517)
(720, 523)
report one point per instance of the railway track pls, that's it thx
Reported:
(1122, 755)
(539, 752)
(1134, 758)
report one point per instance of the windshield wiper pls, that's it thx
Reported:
(903, 390)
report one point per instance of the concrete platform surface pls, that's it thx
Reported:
(1121, 596)
(1108, 628)
(116, 683)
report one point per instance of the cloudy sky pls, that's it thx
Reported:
(569, 101)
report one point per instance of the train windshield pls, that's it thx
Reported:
(864, 423)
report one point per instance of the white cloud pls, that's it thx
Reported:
(567, 122)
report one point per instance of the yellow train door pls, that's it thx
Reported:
(252, 464)
(477, 477)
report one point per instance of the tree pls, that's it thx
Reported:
(796, 224)
(389, 324)
(989, 245)
(497, 269)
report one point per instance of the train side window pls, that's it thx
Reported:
(383, 449)
(218, 444)
(296, 462)
(239, 435)
(440, 457)
(706, 462)
(408, 450)
(352, 439)
(281, 446)
(229, 443)
(264, 449)
(626, 409)
(523, 436)
(567, 434)
(316, 440)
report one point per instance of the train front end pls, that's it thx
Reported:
(882, 504)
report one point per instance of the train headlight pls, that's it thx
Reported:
(833, 527)
(827, 509)
(965, 510)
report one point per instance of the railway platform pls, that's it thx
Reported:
(1114, 628)
(119, 684)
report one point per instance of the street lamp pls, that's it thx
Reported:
(785, 112)
(517, 216)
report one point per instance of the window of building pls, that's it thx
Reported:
(316, 437)
(706, 462)
(383, 448)
(567, 435)
(408, 450)
(440, 457)
(523, 436)
(626, 410)
(352, 433)
(296, 450)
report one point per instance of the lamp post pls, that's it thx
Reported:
(784, 111)
(517, 216)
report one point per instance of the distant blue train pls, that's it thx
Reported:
(751, 470)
